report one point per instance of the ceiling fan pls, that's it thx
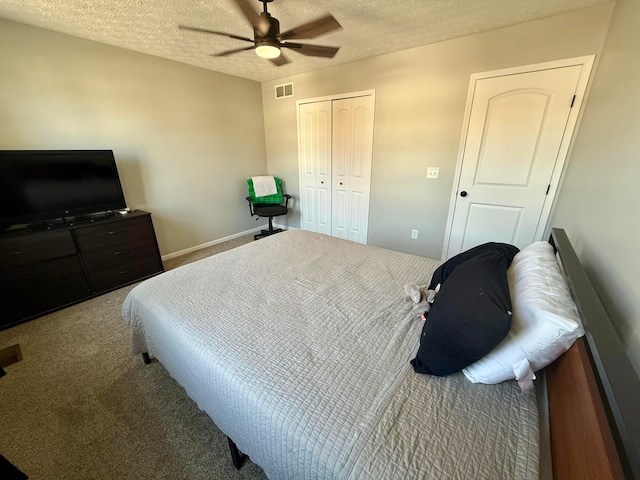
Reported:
(268, 42)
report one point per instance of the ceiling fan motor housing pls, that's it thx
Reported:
(272, 32)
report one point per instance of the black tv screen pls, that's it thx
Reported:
(39, 185)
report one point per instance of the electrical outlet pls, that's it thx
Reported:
(433, 172)
(414, 234)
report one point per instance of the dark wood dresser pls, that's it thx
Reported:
(44, 271)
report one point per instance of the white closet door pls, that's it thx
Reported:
(315, 166)
(351, 167)
(335, 149)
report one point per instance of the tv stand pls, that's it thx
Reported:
(62, 264)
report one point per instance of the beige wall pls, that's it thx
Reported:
(599, 204)
(185, 139)
(420, 101)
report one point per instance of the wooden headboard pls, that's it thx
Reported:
(593, 390)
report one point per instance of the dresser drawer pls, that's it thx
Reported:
(35, 247)
(115, 256)
(29, 278)
(29, 303)
(132, 232)
(122, 273)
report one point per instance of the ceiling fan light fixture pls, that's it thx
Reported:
(268, 51)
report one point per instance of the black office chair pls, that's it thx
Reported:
(269, 206)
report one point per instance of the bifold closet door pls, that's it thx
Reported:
(315, 166)
(335, 153)
(352, 151)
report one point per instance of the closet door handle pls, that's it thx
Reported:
(340, 183)
(463, 193)
(322, 182)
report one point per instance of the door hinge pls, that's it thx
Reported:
(573, 100)
(548, 188)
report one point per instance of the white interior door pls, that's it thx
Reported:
(315, 132)
(517, 124)
(351, 166)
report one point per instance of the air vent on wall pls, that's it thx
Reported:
(283, 91)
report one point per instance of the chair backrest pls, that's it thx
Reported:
(276, 198)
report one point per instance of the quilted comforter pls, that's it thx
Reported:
(298, 348)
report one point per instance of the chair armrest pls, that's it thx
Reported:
(287, 197)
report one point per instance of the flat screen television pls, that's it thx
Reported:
(48, 185)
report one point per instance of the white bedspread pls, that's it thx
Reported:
(306, 367)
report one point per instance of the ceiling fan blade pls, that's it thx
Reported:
(259, 23)
(230, 52)
(312, 50)
(312, 29)
(215, 32)
(279, 61)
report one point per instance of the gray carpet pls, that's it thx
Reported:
(80, 406)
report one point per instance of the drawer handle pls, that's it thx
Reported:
(113, 232)
(125, 271)
(33, 275)
(119, 252)
(20, 252)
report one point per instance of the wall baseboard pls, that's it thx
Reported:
(223, 239)
(212, 242)
(284, 227)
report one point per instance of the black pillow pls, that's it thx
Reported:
(470, 315)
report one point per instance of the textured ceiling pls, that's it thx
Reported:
(371, 27)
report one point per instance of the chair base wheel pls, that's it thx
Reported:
(266, 233)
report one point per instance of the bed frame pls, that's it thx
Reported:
(593, 391)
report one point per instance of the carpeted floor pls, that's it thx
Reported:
(80, 406)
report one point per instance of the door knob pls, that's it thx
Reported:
(322, 183)
(340, 183)
(463, 193)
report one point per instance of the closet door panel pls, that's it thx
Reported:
(360, 168)
(308, 207)
(324, 214)
(315, 166)
(340, 220)
(352, 156)
(341, 163)
(355, 217)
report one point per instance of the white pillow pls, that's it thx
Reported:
(545, 320)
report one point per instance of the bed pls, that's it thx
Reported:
(298, 348)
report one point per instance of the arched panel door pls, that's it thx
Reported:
(516, 129)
